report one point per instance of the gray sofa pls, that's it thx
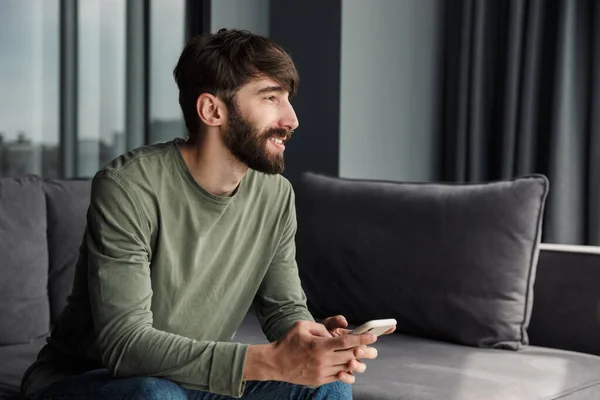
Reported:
(42, 221)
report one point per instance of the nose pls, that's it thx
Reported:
(289, 120)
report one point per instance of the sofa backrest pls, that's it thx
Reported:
(41, 226)
(66, 207)
(566, 298)
(24, 304)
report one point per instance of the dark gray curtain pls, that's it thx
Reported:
(521, 94)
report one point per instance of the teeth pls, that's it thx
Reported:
(277, 140)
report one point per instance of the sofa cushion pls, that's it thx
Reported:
(453, 262)
(24, 308)
(67, 204)
(15, 360)
(420, 369)
(412, 368)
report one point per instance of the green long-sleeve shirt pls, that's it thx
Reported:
(167, 272)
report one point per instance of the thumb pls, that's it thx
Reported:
(332, 323)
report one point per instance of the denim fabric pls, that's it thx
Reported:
(98, 384)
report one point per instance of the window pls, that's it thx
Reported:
(85, 80)
(101, 83)
(167, 36)
(29, 78)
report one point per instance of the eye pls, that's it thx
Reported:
(270, 98)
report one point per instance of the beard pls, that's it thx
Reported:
(249, 145)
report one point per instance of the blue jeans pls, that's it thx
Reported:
(98, 384)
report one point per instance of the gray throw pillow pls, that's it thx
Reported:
(24, 308)
(453, 262)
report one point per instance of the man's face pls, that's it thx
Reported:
(260, 120)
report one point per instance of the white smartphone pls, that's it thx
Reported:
(376, 327)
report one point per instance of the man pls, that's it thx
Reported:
(182, 237)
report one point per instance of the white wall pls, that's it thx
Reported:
(388, 54)
(252, 15)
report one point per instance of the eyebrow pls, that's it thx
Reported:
(269, 89)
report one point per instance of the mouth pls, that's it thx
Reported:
(278, 143)
(277, 140)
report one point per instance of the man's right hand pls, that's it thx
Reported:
(308, 355)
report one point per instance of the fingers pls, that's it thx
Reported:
(346, 378)
(345, 357)
(341, 374)
(342, 357)
(366, 352)
(344, 342)
(349, 368)
(357, 366)
(344, 372)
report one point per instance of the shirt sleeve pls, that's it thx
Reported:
(280, 300)
(119, 254)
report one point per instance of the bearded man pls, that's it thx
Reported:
(183, 237)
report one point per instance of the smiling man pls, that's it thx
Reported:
(183, 237)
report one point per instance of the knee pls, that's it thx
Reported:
(334, 391)
(148, 388)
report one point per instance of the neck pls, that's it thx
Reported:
(212, 165)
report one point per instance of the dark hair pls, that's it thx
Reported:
(222, 62)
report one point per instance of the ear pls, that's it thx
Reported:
(210, 109)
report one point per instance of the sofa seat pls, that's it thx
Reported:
(14, 360)
(410, 368)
